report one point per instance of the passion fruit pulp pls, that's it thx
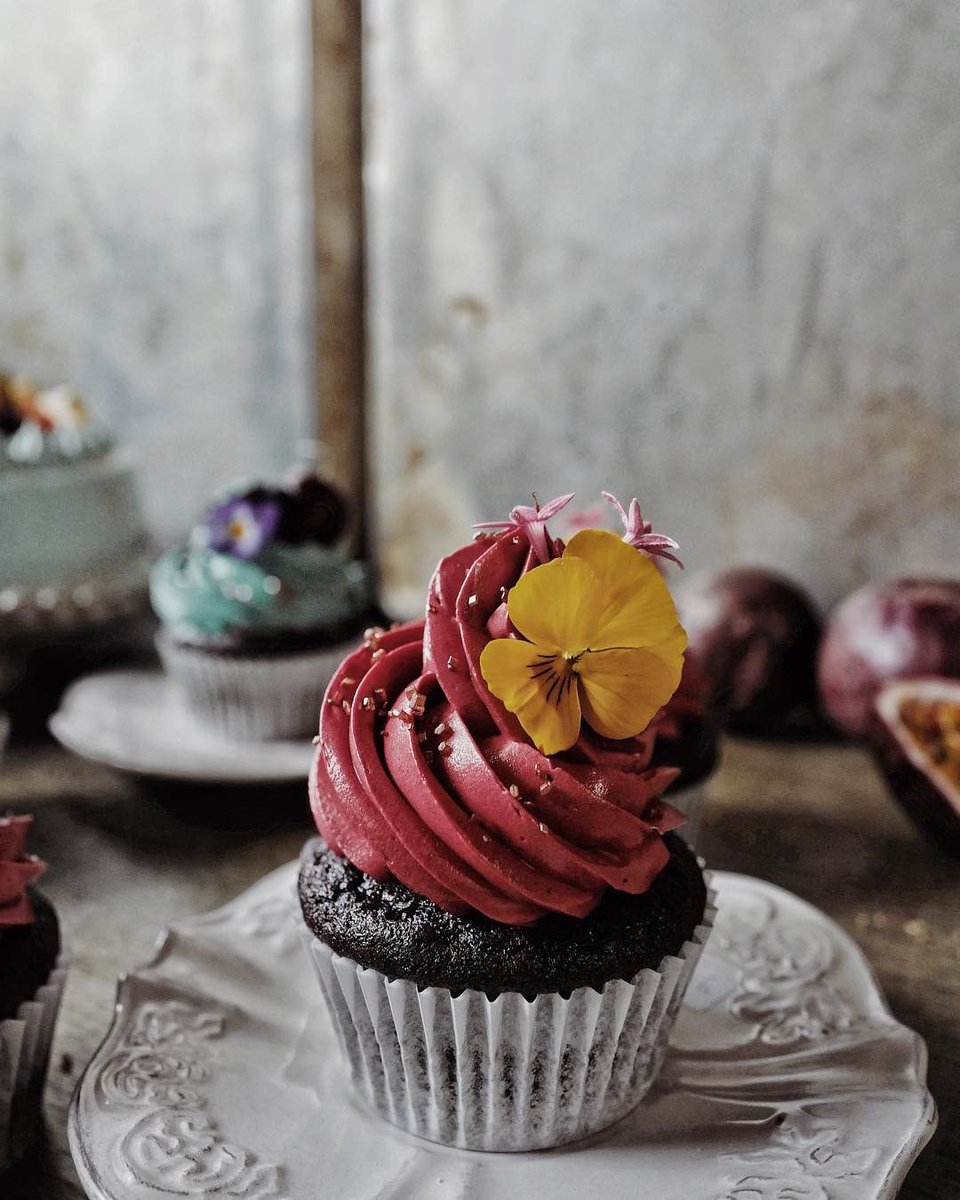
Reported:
(916, 743)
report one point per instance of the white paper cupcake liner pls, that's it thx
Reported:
(25, 1042)
(508, 1073)
(258, 699)
(690, 802)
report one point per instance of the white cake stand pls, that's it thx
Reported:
(788, 1079)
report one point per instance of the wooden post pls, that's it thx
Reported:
(338, 239)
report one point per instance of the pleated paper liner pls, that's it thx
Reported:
(25, 1042)
(508, 1073)
(269, 698)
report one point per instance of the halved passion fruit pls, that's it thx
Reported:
(917, 746)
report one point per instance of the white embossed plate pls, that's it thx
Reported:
(788, 1079)
(135, 721)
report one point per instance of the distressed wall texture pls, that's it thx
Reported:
(708, 254)
(155, 226)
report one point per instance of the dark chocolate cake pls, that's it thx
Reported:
(28, 953)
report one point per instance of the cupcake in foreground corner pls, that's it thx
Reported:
(259, 607)
(502, 920)
(31, 983)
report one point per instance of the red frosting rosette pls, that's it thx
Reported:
(422, 774)
(17, 870)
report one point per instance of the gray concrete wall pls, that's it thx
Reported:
(155, 226)
(704, 253)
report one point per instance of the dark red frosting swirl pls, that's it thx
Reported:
(17, 870)
(423, 775)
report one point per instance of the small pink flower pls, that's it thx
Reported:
(531, 520)
(639, 533)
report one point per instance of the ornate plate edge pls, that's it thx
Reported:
(891, 1185)
(926, 1127)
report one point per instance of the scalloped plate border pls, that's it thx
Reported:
(264, 910)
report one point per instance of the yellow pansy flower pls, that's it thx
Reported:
(603, 644)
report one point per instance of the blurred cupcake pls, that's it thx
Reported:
(687, 737)
(258, 608)
(501, 919)
(32, 974)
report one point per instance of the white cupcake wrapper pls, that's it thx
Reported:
(25, 1042)
(257, 699)
(690, 802)
(508, 1073)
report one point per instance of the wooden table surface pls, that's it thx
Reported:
(816, 819)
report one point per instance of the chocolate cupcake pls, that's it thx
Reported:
(32, 972)
(259, 607)
(501, 920)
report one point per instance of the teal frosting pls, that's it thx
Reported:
(199, 592)
(30, 446)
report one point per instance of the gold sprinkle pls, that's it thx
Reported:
(431, 609)
(377, 655)
(503, 594)
(472, 600)
(405, 716)
(514, 790)
(546, 786)
(347, 681)
(315, 740)
(444, 749)
(543, 828)
(345, 705)
(451, 663)
(394, 712)
(367, 704)
(440, 730)
(918, 929)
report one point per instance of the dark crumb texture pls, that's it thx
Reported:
(28, 953)
(391, 929)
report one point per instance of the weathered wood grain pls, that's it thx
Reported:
(338, 225)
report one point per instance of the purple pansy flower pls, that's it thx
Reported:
(639, 533)
(243, 525)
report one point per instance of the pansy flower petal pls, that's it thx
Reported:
(557, 605)
(536, 686)
(623, 690)
(638, 608)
